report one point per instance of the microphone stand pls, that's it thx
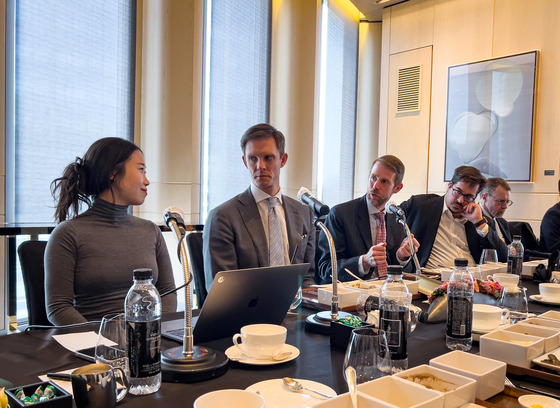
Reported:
(321, 322)
(402, 220)
(190, 363)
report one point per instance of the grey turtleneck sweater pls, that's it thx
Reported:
(89, 262)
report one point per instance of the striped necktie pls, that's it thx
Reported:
(275, 247)
(381, 237)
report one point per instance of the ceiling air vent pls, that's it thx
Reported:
(408, 98)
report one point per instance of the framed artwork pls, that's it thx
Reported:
(490, 116)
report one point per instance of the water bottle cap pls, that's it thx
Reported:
(461, 262)
(394, 270)
(517, 237)
(142, 273)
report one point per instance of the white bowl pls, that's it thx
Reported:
(550, 335)
(538, 321)
(344, 401)
(464, 388)
(551, 314)
(489, 374)
(527, 401)
(512, 348)
(230, 398)
(391, 392)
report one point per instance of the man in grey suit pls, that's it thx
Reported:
(354, 226)
(494, 200)
(236, 233)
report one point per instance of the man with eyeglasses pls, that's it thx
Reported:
(494, 199)
(452, 226)
(550, 228)
(365, 237)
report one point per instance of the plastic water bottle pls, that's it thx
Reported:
(143, 333)
(460, 291)
(394, 306)
(515, 257)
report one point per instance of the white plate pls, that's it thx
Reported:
(539, 361)
(278, 396)
(538, 298)
(484, 331)
(527, 401)
(237, 355)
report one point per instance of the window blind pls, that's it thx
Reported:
(74, 83)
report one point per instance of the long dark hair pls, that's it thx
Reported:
(87, 177)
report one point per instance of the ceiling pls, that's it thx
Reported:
(372, 10)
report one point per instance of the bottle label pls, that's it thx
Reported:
(459, 317)
(394, 325)
(144, 348)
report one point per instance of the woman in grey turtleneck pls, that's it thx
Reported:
(90, 257)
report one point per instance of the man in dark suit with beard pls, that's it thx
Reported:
(452, 226)
(494, 199)
(365, 238)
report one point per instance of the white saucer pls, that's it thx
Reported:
(278, 396)
(538, 298)
(237, 355)
(539, 361)
(485, 331)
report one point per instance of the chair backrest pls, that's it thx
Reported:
(31, 258)
(524, 229)
(194, 248)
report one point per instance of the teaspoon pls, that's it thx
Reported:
(296, 386)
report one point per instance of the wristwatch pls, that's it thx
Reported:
(481, 222)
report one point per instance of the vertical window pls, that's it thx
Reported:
(236, 92)
(70, 82)
(337, 101)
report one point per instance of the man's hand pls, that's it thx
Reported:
(403, 253)
(473, 212)
(377, 255)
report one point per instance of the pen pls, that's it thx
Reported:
(60, 376)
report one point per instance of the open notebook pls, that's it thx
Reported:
(241, 297)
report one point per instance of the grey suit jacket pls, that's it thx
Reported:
(234, 236)
(349, 226)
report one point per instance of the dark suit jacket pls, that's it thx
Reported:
(423, 215)
(550, 230)
(234, 236)
(349, 226)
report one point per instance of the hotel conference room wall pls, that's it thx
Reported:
(460, 31)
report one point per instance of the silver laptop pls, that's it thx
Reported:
(241, 297)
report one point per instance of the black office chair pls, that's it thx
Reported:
(31, 258)
(196, 261)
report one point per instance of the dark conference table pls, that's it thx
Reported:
(25, 356)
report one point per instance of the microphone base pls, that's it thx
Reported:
(203, 365)
(321, 322)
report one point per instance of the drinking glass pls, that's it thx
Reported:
(368, 353)
(514, 299)
(489, 256)
(111, 342)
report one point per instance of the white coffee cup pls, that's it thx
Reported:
(507, 280)
(550, 292)
(230, 398)
(488, 317)
(260, 340)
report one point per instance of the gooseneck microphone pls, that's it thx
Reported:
(304, 196)
(173, 218)
(392, 207)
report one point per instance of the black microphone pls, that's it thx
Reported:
(174, 216)
(304, 196)
(392, 207)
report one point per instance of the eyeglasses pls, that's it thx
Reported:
(501, 202)
(469, 198)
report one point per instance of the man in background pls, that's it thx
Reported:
(550, 228)
(494, 200)
(452, 226)
(366, 239)
(261, 226)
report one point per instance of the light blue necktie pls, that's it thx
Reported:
(275, 247)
